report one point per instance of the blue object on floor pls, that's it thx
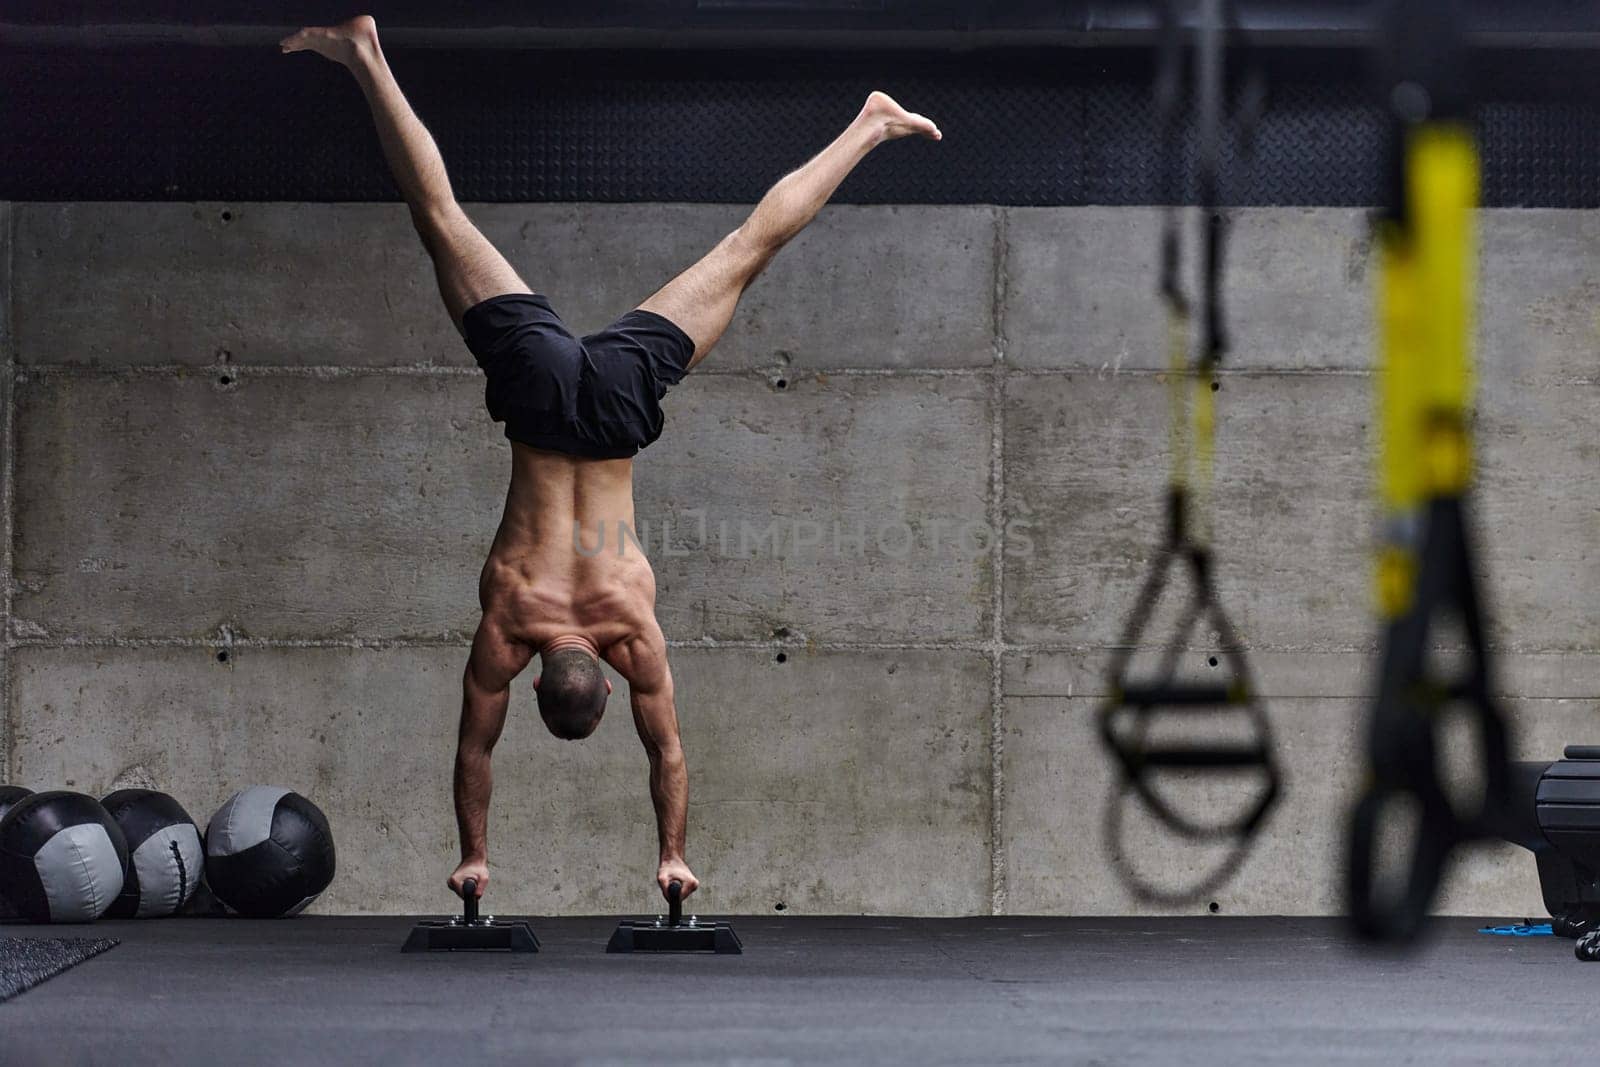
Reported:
(1519, 930)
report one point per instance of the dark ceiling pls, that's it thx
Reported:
(708, 100)
(761, 23)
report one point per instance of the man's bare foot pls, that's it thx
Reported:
(341, 43)
(895, 121)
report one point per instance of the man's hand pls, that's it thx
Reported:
(676, 871)
(477, 869)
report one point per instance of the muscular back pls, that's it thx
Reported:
(549, 573)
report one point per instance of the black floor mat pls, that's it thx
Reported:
(27, 961)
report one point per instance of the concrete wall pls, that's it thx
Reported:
(248, 483)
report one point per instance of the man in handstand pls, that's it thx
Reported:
(576, 411)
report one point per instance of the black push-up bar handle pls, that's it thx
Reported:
(469, 901)
(674, 902)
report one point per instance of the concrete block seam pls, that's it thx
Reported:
(25, 373)
(1105, 371)
(31, 371)
(463, 640)
(8, 463)
(29, 636)
(7, 487)
(240, 371)
(997, 558)
(1002, 282)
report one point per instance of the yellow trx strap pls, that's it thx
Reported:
(1425, 384)
(1424, 569)
(1443, 170)
(1192, 429)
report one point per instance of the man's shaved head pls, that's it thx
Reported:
(572, 693)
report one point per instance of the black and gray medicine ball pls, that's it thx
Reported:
(9, 795)
(62, 858)
(269, 852)
(165, 856)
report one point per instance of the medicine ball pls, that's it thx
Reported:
(9, 795)
(165, 857)
(62, 858)
(269, 852)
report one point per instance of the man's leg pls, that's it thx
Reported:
(469, 268)
(701, 300)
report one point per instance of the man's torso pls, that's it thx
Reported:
(562, 561)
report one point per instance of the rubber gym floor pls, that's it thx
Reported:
(807, 990)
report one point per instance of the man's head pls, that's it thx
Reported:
(572, 691)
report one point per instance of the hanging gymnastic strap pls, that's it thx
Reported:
(1125, 719)
(1424, 571)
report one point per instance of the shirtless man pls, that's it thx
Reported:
(576, 411)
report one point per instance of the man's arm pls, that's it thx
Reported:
(643, 662)
(485, 694)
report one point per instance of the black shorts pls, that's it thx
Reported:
(597, 397)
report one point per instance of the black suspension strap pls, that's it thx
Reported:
(1425, 574)
(1139, 701)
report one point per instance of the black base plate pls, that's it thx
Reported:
(646, 935)
(480, 935)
